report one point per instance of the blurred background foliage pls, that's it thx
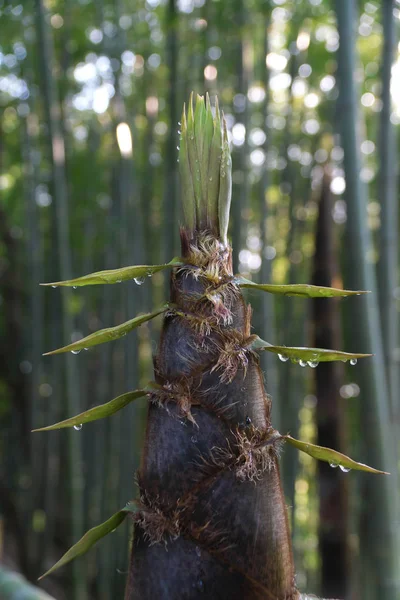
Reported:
(90, 96)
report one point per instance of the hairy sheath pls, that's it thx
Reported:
(213, 521)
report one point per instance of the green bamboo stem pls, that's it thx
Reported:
(56, 150)
(387, 270)
(267, 312)
(381, 523)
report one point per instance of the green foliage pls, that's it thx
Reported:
(310, 356)
(299, 289)
(334, 458)
(115, 275)
(93, 536)
(98, 412)
(205, 166)
(107, 335)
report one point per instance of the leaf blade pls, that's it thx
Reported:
(107, 335)
(98, 412)
(92, 536)
(307, 354)
(115, 275)
(331, 456)
(299, 289)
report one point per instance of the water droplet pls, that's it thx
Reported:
(54, 286)
(139, 280)
(86, 349)
(353, 362)
(192, 137)
(78, 427)
(248, 421)
(313, 363)
(333, 465)
(193, 439)
(75, 351)
(177, 147)
(179, 123)
(149, 273)
(198, 551)
(344, 469)
(119, 280)
(283, 358)
(210, 179)
(74, 287)
(302, 363)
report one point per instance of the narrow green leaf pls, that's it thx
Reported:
(208, 132)
(225, 188)
(299, 289)
(214, 167)
(107, 335)
(310, 356)
(116, 275)
(334, 458)
(98, 412)
(92, 537)
(194, 163)
(188, 196)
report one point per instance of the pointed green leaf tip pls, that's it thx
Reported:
(333, 457)
(93, 536)
(107, 335)
(116, 275)
(205, 167)
(298, 289)
(307, 356)
(98, 412)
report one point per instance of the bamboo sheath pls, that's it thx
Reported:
(215, 522)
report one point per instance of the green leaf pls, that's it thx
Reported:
(107, 335)
(92, 536)
(194, 162)
(334, 458)
(116, 275)
(225, 187)
(299, 289)
(188, 196)
(310, 356)
(214, 169)
(98, 412)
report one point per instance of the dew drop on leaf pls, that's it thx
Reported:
(333, 465)
(344, 469)
(139, 280)
(248, 421)
(75, 351)
(74, 287)
(54, 287)
(313, 363)
(78, 427)
(283, 358)
(353, 362)
(302, 363)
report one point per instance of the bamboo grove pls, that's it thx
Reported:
(217, 425)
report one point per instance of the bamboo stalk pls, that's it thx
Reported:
(56, 151)
(387, 268)
(382, 509)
